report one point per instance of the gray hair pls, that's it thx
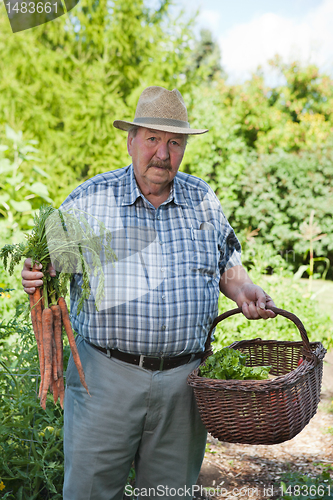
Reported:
(133, 130)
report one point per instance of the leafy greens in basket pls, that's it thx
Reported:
(229, 364)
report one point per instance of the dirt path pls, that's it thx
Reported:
(254, 472)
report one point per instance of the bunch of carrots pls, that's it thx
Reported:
(67, 239)
(47, 323)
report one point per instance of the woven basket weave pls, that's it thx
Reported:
(262, 411)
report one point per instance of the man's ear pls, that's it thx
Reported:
(129, 143)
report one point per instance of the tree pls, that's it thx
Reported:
(294, 116)
(303, 117)
(206, 57)
(64, 83)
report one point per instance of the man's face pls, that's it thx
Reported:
(156, 156)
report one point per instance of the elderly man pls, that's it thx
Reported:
(160, 300)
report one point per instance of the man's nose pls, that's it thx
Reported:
(162, 151)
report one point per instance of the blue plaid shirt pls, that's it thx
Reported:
(161, 295)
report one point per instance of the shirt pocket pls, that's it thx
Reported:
(205, 257)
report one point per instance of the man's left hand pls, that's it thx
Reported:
(255, 303)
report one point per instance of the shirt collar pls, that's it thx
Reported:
(132, 191)
(178, 193)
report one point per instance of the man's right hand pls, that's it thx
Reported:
(32, 276)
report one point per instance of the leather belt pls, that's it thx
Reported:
(150, 362)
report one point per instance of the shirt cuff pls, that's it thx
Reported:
(234, 260)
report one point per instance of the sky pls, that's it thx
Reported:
(250, 32)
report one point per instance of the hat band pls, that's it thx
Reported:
(162, 121)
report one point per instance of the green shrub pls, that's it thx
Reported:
(277, 193)
(21, 188)
(11, 292)
(31, 456)
(298, 486)
(272, 193)
(288, 294)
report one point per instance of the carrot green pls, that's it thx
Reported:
(68, 241)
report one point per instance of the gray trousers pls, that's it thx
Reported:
(133, 414)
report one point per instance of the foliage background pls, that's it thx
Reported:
(268, 156)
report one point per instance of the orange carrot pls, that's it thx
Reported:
(33, 299)
(61, 390)
(34, 317)
(57, 330)
(55, 390)
(33, 313)
(38, 307)
(47, 346)
(71, 340)
(54, 358)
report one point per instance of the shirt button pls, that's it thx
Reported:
(163, 327)
(162, 269)
(158, 216)
(161, 242)
(163, 297)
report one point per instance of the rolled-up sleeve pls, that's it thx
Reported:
(230, 250)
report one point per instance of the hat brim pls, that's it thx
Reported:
(124, 125)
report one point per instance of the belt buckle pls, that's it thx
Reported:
(141, 360)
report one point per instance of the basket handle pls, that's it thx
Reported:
(307, 352)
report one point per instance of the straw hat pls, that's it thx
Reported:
(160, 109)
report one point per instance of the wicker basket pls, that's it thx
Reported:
(263, 411)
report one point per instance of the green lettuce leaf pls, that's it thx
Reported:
(227, 364)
